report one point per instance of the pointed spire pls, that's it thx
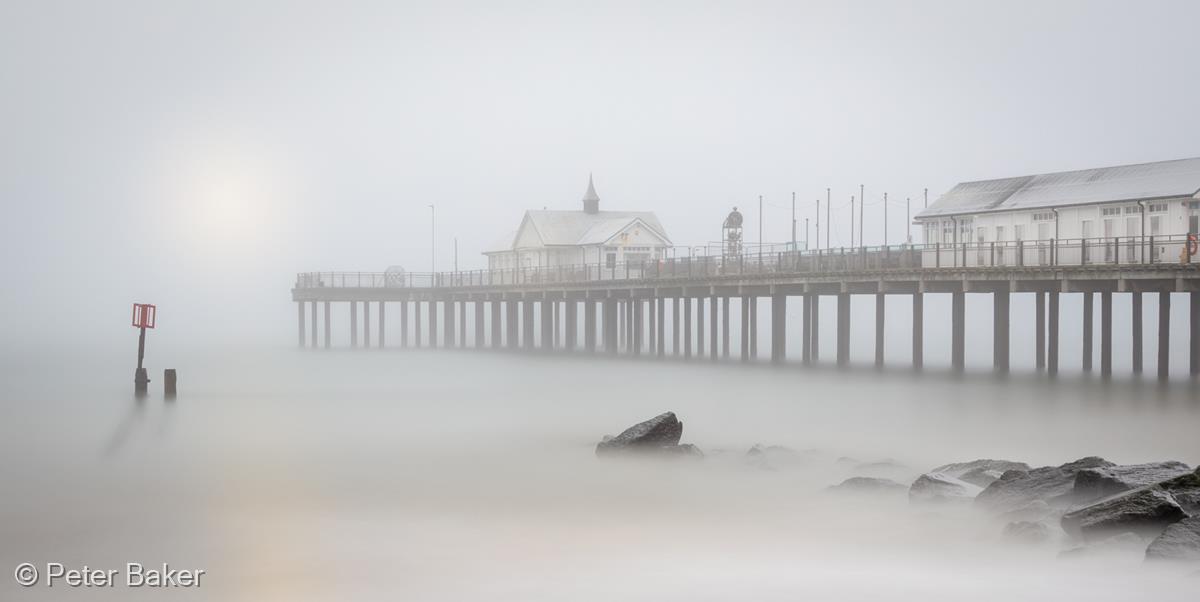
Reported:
(591, 200)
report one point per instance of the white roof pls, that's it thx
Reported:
(581, 228)
(1145, 181)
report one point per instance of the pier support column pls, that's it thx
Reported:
(1088, 326)
(843, 329)
(316, 334)
(300, 315)
(433, 329)
(879, 317)
(496, 325)
(366, 324)
(638, 332)
(630, 324)
(958, 341)
(462, 324)
(1164, 335)
(610, 326)
(815, 341)
(1106, 334)
(404, 324)
(416, 323)
(1000, 331)
(589, 325)
(1194, 326)
(754, 327)
(806, 329)
(1052, 334)
(353, 324)
(712, 328)
(699, 326)
(745, 334)
(725, 327)
(687, 328)
(778, 328)
(622, 323)
(547, 316)
(556, 316)
(1039, 325)
(450, 319)
(479, 342)
(652, 327)
(328, 328)
(571, 314)
(660, 337)
(382, 325)
(676, 336)
(918, 330)
(512, 324)
(527, 341)
(1137, 332)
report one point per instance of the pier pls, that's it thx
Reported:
(625, 308)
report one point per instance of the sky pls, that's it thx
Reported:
(198, 155)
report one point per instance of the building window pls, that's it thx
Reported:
(1158, 207)
(1110, 211)
(999, 233)
(1019, 232)
(1133, 209)
(610, 260)
(1155, 225)
(1048, 216)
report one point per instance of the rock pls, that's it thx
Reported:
(686, 449)
(1035, 511)
(1026, 532)
(980, 472)
(1186, 491)
(960, 481)
(660, 433)
(868, 485)
(938, 487)
(1096, 483)
(1180, 541)
(1125, 544)
(1053, 485)
(774, 456)
(1145, 512)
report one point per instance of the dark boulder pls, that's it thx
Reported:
(1180, 541)
(660, 433)
(1028, 532)
(1053, 485)
(1144, 512)
(776, 456)
(939, 488)
(1097, 483)
(980, 472)
(1186, 491)
(868, 485)
(959, 481)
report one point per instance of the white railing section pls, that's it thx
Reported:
(781, 259)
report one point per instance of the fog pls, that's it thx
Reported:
(197, 155)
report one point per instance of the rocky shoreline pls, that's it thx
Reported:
(1090, 504)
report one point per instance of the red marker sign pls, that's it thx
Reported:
(143, 315)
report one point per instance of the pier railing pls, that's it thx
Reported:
(1115, 251)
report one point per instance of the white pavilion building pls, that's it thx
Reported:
(549, 237)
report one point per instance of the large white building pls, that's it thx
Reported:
(1117, 204)
(548, 238)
